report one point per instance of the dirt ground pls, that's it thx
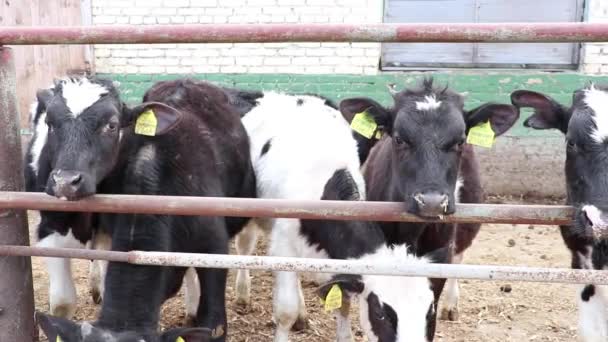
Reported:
(530, 312)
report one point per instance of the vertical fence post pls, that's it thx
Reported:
(16, 288)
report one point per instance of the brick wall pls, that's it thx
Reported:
(595, 55)
(299, 58)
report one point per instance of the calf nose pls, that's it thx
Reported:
(66, 183)
(432, 204)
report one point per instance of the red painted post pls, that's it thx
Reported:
(16, 288)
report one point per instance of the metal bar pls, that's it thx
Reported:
(482, 272)
(308, 209)
(16, 288)
(256, 33)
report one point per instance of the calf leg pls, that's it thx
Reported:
(592, 320)
(192, 295)
(286, 304)
(245, 243)
(343, 326)
(212, 305)
(62, 292)
(98, 268)
(449, 309)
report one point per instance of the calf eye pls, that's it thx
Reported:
(400, 142)
(111, 126)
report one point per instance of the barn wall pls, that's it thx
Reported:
(37, 65)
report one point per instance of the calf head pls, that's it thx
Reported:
(585, 126)
(428, 127)
(591, 221)
(62, 330)
(392, 308)
(86, 121)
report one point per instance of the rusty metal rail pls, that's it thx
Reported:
(243, 207)
(482, 272)
(256, 33)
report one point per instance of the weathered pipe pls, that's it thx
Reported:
(483, 272)
(257, 33)
(246, 207)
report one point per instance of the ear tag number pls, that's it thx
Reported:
(180, 339)
(333, 300)
(481, 135)
(364, 124)
(146, 123)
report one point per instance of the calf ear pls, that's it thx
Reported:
(353, 106)
(349, 284)
(58, 329)
(548, 113)
(187, 335)
(43, 96)
(152, 118)
(438, 256)
(501, 117)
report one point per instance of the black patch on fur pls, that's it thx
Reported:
(300, 102)
(265, 148)
(588, 292)
(382, 318)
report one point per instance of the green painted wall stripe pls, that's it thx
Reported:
(479, 86)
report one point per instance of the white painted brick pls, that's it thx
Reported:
(350, 52)
(218, 11)
(131, 69)
(118, 61)
(292, 18)
(136, 11)
(119, 3)
(122, 20)
(101, 52)
(164, 11)
(96, 10)
(191, 11)
(114, 10)
(104, 19)
(192, 19)
(205, 19)
(277, 10)
(235, 19)
(148, 3)
(178, 53)
(220, 19)
(206, 69)
(176, 3)
(370, 70)
(277, 19)
(305, 60)
(234, 3)
(124, 53)
(166, 61)
(177, 19)
(206, 53)
(249, 61)
(237, 51)
(335, 61)
(260, 2)
(136, 20)
(151, 53)
(327, 3)
(348, 69)
(221, 60)
(152, 69)
(321, 52)
(292, 52)
(206, 3)
(290, 69)
(262, 69)
(150, 20)
(141, 61)
(233, 69)
(193, 61)
(291, 2)
(277, 60)
(163, 20)
(264, 51)
(179, 69)
(247, 10)
(319, 69)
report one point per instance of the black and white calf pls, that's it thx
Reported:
(302, 148)
(63, 229)
(585, 125)
(423, 160)
(98, 151)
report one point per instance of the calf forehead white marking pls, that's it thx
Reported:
(430, 102)
(597, 100)
(80, 94)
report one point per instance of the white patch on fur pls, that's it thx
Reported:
(41, 131)
(410, 297)
(430, 103)
(85, 329)
(80, 94)
(593, 320)
(458, 188)
(192, 292)
(597, 100)
(62, 292)
(98, 268)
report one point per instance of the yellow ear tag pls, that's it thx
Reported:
(481, 135)
(180, 339)
(364, 124)
(333, 300)
(146, 123)
(58, 339)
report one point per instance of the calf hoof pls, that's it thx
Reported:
(96, 295)
(66, 311)
(189, 321)
(300, 324)
(243, 302)
(449, 314)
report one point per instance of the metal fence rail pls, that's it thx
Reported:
(484, 272)
(244, 207)
(257, 33)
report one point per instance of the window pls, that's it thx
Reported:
(397, 56)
